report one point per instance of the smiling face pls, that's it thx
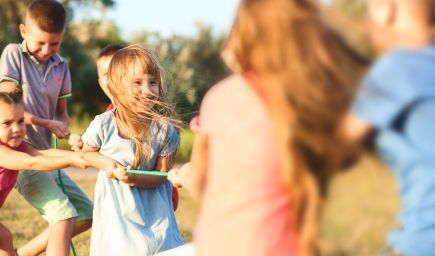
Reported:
(146, 88)
(40, 44)
(12, 127)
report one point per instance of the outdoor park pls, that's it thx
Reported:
(362, 203)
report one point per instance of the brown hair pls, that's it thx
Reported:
(131, 116)
(303, 72)
(13, 97)
(109, 50)
(49, 15)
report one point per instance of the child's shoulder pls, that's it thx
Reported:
(401, 61)
(105, 119)
(223, 90)
(12, 49)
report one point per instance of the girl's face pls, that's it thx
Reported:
(146, 87)
(12, 127)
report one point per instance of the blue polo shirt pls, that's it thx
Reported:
(398, 99)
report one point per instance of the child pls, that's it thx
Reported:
(397, 102)
(103, 61)
(267, 130)
(45, 79)
(16, 155)
(133, 213)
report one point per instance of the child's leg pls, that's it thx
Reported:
(6, 244)
(59, 238)
(42, 192)
(37, 245)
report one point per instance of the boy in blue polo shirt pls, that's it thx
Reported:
(46, 83)
(397, 103)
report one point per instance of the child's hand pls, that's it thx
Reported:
(59, 128)
(78, 161)
(180, 177)
(75, 141)
(117, 172)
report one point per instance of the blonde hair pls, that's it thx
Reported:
(131, 116)
(301, 70)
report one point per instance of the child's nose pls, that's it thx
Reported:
(46, 49)
(16, 128)
(146, 89)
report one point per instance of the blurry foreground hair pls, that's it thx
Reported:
(302, 69)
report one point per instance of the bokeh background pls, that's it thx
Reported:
(362, 201)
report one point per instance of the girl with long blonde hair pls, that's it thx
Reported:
(273, 151)
(133, 213)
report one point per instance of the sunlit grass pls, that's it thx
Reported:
(360, 210)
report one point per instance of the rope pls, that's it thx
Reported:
(152, 173)
(56, 145)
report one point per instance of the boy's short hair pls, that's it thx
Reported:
(110, 50)
(49, 15)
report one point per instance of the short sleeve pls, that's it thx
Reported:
(93, 136)
(172, 141)
(65, 91)
(10, 62)
(385, 92)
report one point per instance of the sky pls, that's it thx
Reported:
(169, 16)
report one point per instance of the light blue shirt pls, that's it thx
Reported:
(127, 220)
(398, 99)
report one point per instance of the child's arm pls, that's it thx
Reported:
(354, 137)
(164, 164)
(60, 129)
(193, 175)
(32, 159)
(113, 169)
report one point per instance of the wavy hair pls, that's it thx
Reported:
(302, 69)
(133, 117)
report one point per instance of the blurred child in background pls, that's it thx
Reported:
(397, 103)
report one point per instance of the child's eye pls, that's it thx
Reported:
(7, 123)
(21, 121)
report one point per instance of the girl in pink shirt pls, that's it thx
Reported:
(264, 148)
(16, 155)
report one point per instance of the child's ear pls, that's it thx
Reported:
(23, 31)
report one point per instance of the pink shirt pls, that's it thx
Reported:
(8, 178)
(246, 208)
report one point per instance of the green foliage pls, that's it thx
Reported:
(192, 63)
(353, 8)
(185, 149)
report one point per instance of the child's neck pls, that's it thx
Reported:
(124, 135)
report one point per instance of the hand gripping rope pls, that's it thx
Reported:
(55, 145)
(142, 172)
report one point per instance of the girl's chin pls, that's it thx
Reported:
(15, 143)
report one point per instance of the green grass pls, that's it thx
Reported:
(360, 209)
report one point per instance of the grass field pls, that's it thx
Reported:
(360, 209)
